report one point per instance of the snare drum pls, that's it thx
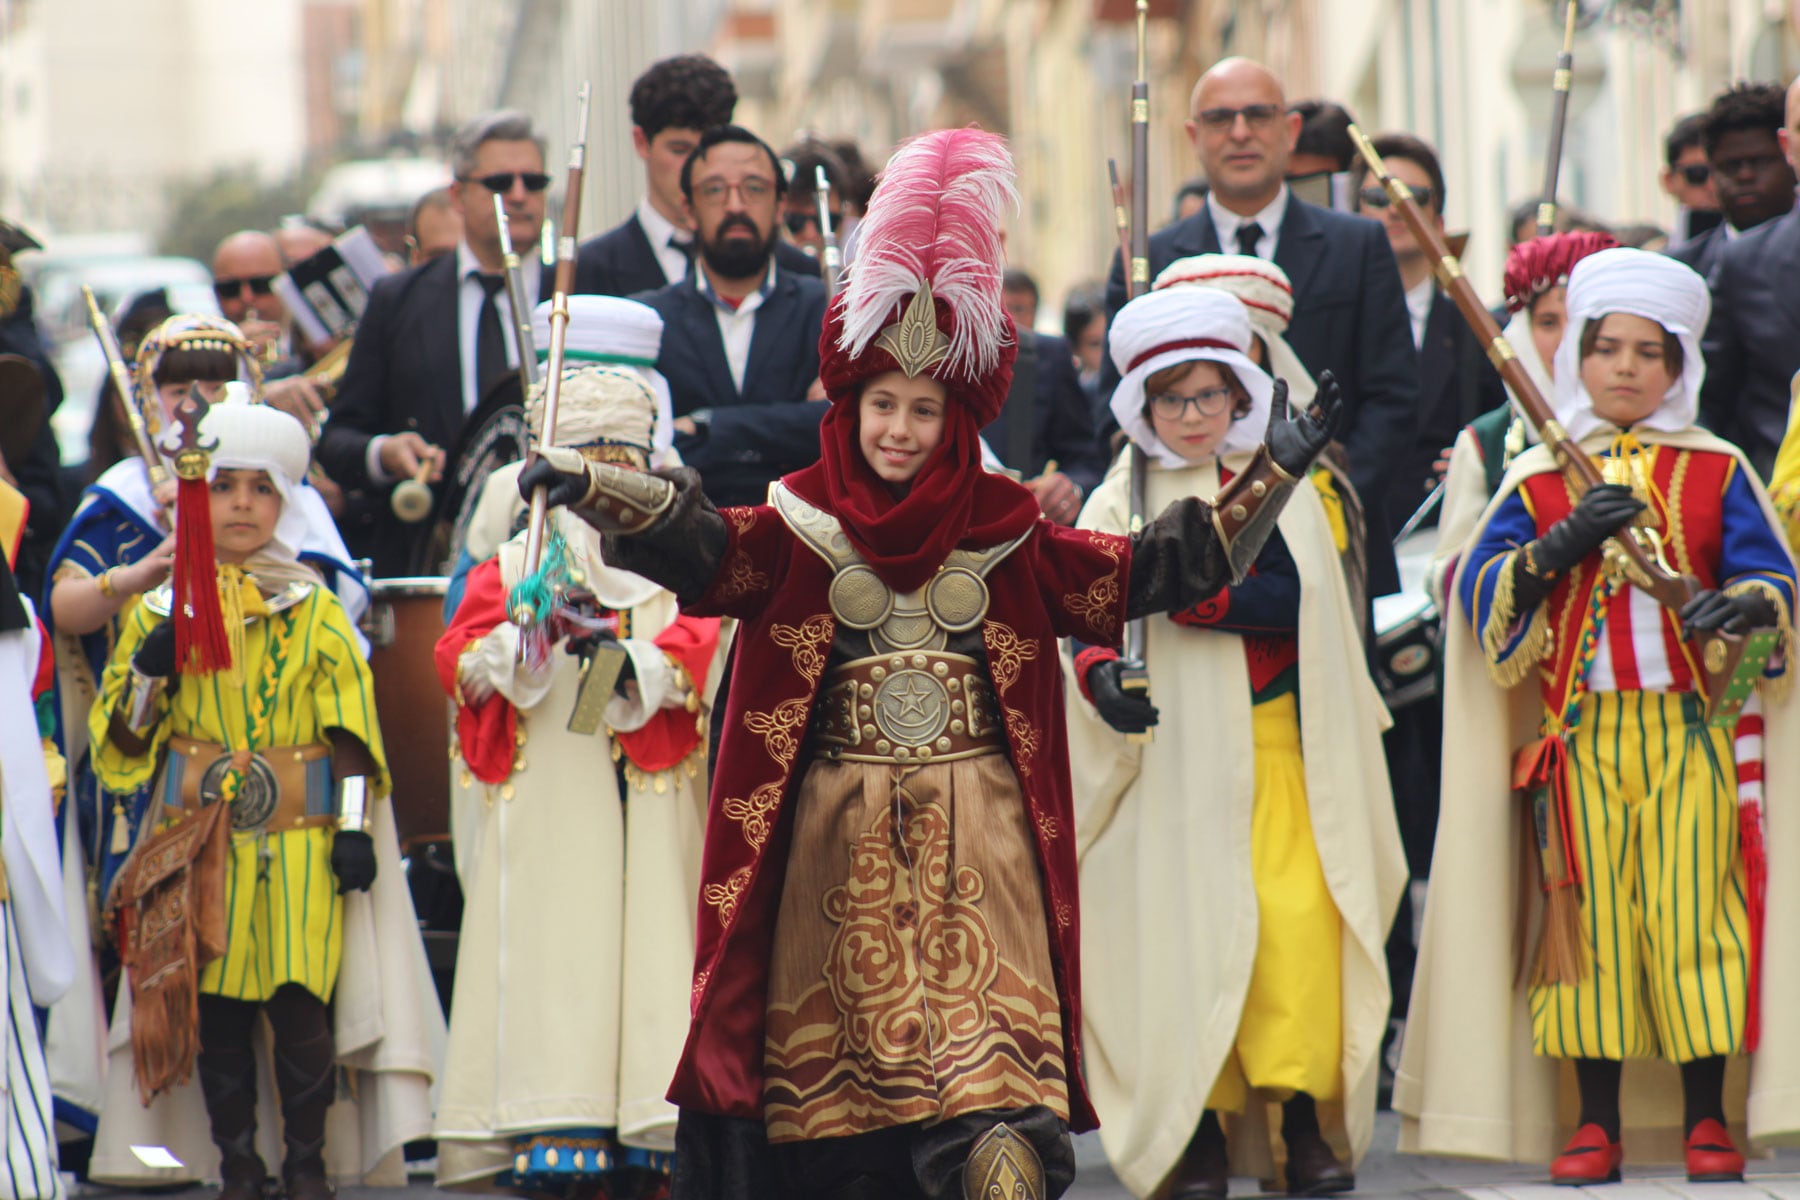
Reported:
(1407, 645)
(406, 619)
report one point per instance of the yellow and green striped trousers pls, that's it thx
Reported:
(1653, 803)
(284, 917)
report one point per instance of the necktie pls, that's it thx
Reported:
(490, 343)
(687, 251)
(1248, 235)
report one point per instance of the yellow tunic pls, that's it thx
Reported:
(299, 674)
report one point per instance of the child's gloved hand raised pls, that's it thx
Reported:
(353, 860)
(155, 656)
(1294, 441)
(1127, 712)
(1601, 512)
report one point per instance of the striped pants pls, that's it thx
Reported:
(1653, 803)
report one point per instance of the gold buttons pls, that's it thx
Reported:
(1239, 512)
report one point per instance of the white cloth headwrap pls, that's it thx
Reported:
(1158, 330)
(1266, 293)
(255, 437)
(609, 331)
(1645, 285)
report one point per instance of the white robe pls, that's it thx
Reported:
(576, 960)
(1469, 1084)
(1168, 902)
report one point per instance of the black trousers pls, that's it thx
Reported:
(729, 1158)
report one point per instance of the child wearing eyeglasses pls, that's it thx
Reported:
(1238, 871)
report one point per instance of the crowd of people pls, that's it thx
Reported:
(856, 660)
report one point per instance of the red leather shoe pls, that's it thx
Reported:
(1590, 1157)
(1711, 1156)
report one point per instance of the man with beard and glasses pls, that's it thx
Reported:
(741, 341)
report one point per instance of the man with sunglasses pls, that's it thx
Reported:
(672, 104)
(1744, 167)
(1349, 314)
(1752, 343)
(1687, 180)
(437, 341)
(244, 268)
(800, 206)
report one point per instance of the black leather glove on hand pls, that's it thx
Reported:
(560, 470)
(1294, 441)
(1599, 514)
(353, 860)
(1732, 613)
(1127, 712)
(156, 653)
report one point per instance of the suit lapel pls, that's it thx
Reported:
(772, 327)
(706, 342)
(444, 393)
(641, 260)
(1437, 356)
(1299, 247)
(1196, 235)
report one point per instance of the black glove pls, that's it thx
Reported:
(1127, 712)
(1738, 612)
(353, 860)
(564, 487)
(156, 653)
(1600, 513)
(1295, 441)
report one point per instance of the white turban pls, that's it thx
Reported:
(255, 437)
(1179, 325)
(1645, 285)
(1266, 293)
(624, 338)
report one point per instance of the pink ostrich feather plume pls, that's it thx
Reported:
(935, 220)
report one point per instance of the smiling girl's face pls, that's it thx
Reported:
(900, 421)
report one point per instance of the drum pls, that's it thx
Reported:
(405, 621)
(1407, 643)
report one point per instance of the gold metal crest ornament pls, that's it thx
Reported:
(914, 341)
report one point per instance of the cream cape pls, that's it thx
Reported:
(573, 1017)
(390, 1034)
(1469, 1084)
(1169, 915)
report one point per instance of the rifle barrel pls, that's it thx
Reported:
(1559, 120)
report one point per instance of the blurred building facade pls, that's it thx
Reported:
(1471, 76)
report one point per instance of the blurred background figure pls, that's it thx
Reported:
(1019, 293)
(1753, 182)
(1687, 180)
(433, 227)
(800, 206)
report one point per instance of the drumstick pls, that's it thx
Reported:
(411, 500)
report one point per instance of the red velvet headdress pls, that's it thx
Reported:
(922, 296)
(1535, 266)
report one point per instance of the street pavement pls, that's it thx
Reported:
(1383, 1175)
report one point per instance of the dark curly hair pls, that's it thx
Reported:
(688, 91)
(1755, 106)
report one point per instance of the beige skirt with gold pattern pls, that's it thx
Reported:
(911, 978)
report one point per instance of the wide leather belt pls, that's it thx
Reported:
(277, 788)
(918, 706)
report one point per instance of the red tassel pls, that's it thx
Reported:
(201, 646)
(1756, 887)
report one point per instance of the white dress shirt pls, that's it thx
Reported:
(665, 239)
(1270, 218)
(469, 295)
(737, 326)
(1418, 307)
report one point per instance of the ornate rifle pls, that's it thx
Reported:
(1559, 120)
(524, 613)
(1135, 675)
(121, 378)
(1640, 549)
(831, 262)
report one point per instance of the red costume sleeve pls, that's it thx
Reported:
(46, 664)
(756, 545)
(485, 731)
(1083, 576)
(672, 733)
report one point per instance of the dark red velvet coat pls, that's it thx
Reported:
(1058, 583)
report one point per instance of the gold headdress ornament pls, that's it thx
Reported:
(914, 340)
(191, 331)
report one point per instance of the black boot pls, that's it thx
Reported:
(1312, 1169)
(1203, 1172)
(227, 1067)
(305, 1072)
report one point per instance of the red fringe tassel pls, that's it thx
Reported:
(200, 642)
(1756, 885)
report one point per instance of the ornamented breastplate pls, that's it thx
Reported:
(904, 697)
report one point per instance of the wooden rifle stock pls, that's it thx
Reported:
(559, 328)
(1559, 120)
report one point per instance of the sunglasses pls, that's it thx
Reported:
(1375, 197)
(1257, 116)
(501, 182)
(231, 289)
(1695, 173)
(798, 222)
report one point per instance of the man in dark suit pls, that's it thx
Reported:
(1752, 180)
(1456, 381)
(672, 103)
(1752, 344)
(434, 340)
(1349, 313)
(740, 345)
(1047, 421)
